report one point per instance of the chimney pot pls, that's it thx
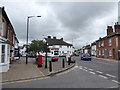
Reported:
(49, 36)
(61, 39)
(109, 30)
(54, 37)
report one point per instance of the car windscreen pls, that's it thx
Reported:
(86, 55)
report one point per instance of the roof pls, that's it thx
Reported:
(53, 41)
(111, 35)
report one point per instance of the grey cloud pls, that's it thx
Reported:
(72, 21)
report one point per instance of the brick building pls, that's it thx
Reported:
(7, 41)
(109, 46)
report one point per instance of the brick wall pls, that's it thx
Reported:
(107, 47)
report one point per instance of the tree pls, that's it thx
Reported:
(37, 46)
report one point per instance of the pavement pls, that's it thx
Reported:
(98, 74)
(19, 70)
(113, 60)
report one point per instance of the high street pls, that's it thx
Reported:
(86, 74)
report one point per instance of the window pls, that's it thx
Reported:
(60, 46)
(3, 27)
(3, 54)
(56, 52)
(102, 44)
(99, 52)
(110, 52)
(109, 42)
(103, 52)
(99, 44)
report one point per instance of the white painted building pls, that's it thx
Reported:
(93, 49)
(4, 55)
(23, 50)
(64, 48)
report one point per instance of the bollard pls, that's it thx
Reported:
(63, 63)
(50, 66)
(69, 59)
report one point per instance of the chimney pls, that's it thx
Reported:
(61, 39)
(54, 37)
(49, 37)
(109, 30)
(117, 27)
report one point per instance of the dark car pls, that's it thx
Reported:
(86, 57)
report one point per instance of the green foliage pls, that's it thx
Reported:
(36, 46)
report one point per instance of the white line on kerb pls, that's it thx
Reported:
(99, 72)
(103, 76)
(92, 72)
(115, 81)
(110, 75)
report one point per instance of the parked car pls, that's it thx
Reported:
(86, 57)
(76, 54)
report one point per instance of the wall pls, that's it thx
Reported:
(63, 48)
(107, 47)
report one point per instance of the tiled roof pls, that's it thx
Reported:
(53, 41)
(111, 35)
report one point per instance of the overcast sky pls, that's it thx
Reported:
(79, 23)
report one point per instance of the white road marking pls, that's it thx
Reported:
(91, 69)
(99, 72)
(110, 75)
(113, 87)
(103, 76)
(92, 72)
(86, 70)
(115, 81)
(80, 66)
(85, 67)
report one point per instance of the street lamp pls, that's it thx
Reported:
(27, 36)
(46, 44)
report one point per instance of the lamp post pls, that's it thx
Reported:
(27, 36)
(46, 55)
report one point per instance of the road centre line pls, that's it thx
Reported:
(92, 72)
(116, 81)
(85, 67)
(103, 76)
(85, 70)
(110, 75)
(99, 72)
(91, 69)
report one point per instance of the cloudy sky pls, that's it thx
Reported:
(79, 23)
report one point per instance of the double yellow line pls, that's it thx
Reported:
(12, 82)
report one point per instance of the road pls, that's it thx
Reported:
(86, 74)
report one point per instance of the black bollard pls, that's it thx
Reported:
(50, 66)
(69, 59)
(63, 63)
